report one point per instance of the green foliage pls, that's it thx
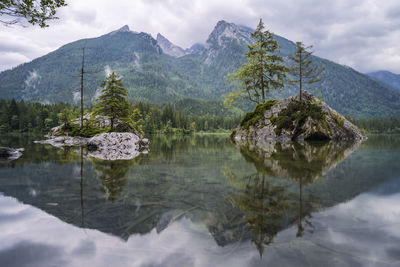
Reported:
(112, 101)
(338, 120)
(65, 117)
(251, 118)
(86, 131)
(177, 117)
(33, 11)
(296, 114)
(377, 125)
(157, 78)
(264, 69)
(302, 69)
(29, 117)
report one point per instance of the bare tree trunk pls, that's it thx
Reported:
(301, 76)
(82, 74)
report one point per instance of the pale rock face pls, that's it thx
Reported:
(169, 48)
(114, 146)
(223, 32)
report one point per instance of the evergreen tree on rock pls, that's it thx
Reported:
(112, 101)
(264, 69)
(302, 69)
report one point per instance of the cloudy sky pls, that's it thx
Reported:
(363, 34)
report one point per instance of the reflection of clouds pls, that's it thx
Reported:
(363, 231)
(31, 254)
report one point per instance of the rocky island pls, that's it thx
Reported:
(106, 145)
(294, 120)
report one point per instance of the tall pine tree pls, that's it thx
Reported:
(264, 69)
(302, 69)
(112, 101)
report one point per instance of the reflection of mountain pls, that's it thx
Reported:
(204, 179)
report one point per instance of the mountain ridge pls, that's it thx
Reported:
(152, 75)
(387, 78)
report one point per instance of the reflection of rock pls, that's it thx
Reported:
(297, 160)
(61, 141)
(270, 203)
(107, 146)
(7, 153)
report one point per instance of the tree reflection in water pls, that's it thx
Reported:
(269, 198)
(111, 174)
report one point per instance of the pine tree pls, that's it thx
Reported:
(302, 69)
(264, 69)
(112, 101)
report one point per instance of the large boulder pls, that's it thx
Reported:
(294, 120)
(115, 146)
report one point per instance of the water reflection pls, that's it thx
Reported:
(269, 198)
(242, 198)
(112, 176)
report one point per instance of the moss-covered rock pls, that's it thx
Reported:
(294, 120)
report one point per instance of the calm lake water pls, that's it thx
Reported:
(201, 201)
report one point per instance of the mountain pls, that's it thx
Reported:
(151, 73)
(169, 48)
(177, 51)
(388, 78)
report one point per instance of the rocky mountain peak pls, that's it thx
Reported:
(169, 48)
(124, 28)
(225, 30)
(197, 47)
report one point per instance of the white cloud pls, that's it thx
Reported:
(361, 33)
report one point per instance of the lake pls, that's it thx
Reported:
(202, 201)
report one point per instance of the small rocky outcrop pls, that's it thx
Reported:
(107, 146)
(294, 120)
(7, 153)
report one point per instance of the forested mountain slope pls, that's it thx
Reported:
(154, 76)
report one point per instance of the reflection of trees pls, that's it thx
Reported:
(112, 176)
(264, 206)
(270, 203)
(81, 184)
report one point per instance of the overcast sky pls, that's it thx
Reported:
(363, 34)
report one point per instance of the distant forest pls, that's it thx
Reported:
(18, 116)
(170, 118)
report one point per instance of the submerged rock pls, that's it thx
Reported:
(294, 120)
(7, 153)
